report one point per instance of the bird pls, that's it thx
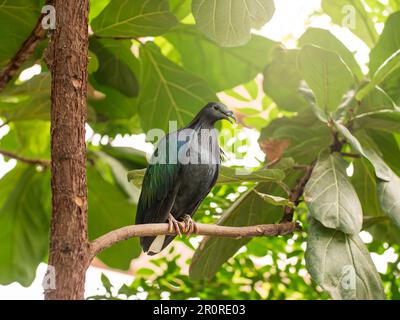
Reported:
(182, 171)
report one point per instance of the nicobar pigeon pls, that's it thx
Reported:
(182, 171)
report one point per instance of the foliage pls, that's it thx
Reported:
(154, 61)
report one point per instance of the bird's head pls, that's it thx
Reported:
(215, 111)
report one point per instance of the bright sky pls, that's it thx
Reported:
(289, 22)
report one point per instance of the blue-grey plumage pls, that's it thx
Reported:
(178, 178)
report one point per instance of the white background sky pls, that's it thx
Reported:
(288, 23)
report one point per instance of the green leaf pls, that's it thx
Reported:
(249, 209)
(29, 139)
(119, 173)
(168, 89)
(17, 20)
(374, 100)
(110, 104)
(330, 196)
(204, 58)
(388, 67)
(389, 197)
(236, 175)
(325, 39)
(352, 14)
(229, 22)
(275, 200)
(180, 8)
(341, 264)
(106, 283)
(24, 223)
(381, 169)
(305, 145)
(227, 175)
(96, 7)
(364, 182)
(117, 65)
(131, 19)
(110, 209)
(388, 147)
(27, 101)
(283, 69)
(388, 44)
(327, 76)
(93, 64)
(386, 120)
(131, 158)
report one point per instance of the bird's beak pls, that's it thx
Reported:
(229, 115)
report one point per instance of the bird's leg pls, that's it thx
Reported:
(189, 225)
(174, 225)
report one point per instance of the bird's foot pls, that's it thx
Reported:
(189, 225)
(174, 225)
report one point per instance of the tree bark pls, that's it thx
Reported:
(67, 57)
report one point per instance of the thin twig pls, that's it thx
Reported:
(4, 124)
(144, 230)
(296, 194)
(24, 52)
(43, 162)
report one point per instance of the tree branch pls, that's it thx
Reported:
(43, 162)
(296, 194)
(144, 230)
(24, 52)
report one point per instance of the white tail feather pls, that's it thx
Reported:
(157, 244)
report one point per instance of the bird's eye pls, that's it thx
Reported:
(215, 107)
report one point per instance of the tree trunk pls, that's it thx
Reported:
(67, 57)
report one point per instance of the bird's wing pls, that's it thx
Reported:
(159, 188)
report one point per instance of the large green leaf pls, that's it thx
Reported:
(17, 19)
(390, 65)
(168, 92)
(388, 44)
(389, 197)
(325, 39)
(327, 76)
(341, 264)
(364, 182)
(227, 175)
(24, 224)
(374, 100)
(131, 158)
(29, 100)
(357, 18)
(283, 69)
(249, 209)
(385, 120)
(229, 22)
(111, 104)
(28, 138)
(180, 8)
(137, 18)
(388, 147)
(381, 168)
(331, 197)
(304, 145)
(214, 64)
(117, 65)
(119, 175)
(110, 209)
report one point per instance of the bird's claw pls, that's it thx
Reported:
(174, 225)
(190, 226)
